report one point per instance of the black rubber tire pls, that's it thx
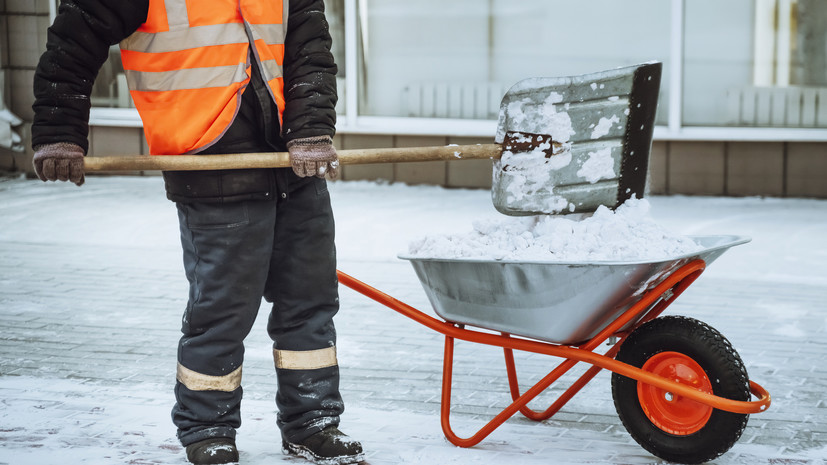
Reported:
(719, 360)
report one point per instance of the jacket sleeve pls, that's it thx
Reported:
(309, 73)
(77, 45)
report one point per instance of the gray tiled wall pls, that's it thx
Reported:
(24, 28)
(433, 172)
(4, 39)
(773, 169)
(27, 6)
(469, 173)
(697, 168)
(806, 173)
(370, 171)
(755, 168)
(23, 25)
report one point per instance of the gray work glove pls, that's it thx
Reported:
(313, 156)
(61, 161)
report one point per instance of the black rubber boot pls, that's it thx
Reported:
(214, 451)
(327, 447)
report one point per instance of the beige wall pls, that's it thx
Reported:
(774, 169)
(466, 173)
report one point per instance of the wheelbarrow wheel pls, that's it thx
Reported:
(670, 426)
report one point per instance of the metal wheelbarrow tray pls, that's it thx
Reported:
(560, 302)
(679, 387)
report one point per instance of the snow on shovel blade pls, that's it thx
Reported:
(571, 144)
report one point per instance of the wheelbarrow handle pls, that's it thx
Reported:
(282, 159)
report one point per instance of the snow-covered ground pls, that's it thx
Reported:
(91, 291)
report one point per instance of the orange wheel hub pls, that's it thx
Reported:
(668, 411)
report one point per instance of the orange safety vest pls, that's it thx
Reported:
(188, 64)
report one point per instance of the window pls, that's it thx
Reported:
(110, 89)
(738, 63)
(335, 14)
(456, 59)
(755, 63)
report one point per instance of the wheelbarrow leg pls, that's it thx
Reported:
(514, 386)
(518, 404)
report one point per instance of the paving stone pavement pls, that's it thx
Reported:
(90, 325)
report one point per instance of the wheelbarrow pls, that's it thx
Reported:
(679, 388)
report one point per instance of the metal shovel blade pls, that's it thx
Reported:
(571, 144)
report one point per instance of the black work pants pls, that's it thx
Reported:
(235, 254)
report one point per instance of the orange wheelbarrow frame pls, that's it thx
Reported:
(651, 304)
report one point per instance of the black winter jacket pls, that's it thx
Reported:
(78, 44)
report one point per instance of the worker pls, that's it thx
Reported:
(224, 76)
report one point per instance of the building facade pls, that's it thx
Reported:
(743, 103)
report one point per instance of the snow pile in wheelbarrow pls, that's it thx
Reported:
(627, 234)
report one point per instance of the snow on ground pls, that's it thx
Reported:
(67, 397)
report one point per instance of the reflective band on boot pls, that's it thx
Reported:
(195, 381)
(305, 359)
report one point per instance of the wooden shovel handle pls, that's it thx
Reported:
(282, 160)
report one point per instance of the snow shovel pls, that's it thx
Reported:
(563, 145)
(601, 127)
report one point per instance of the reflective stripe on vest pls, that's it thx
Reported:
(188, 64)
